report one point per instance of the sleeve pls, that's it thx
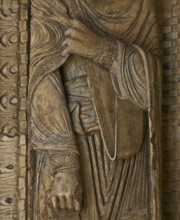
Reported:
(128, 68)
(50, 128)
(50, 124)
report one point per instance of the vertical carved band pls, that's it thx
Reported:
(9, 101)
(13, 61)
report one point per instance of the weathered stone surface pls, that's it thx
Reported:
(17, 160)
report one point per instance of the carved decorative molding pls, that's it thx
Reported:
(9, 104)
(13, 61)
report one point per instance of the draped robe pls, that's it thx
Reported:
(114, 188)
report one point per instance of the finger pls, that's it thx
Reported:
(66, 52)
(69, 203)
(54, 202)
(62, 202)
(73, 45)
(74, 33)
(68, 32)
(68, 42)
(77, 205)
(78, 25)
(65, 42)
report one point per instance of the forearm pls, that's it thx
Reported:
(51, 128)
(64, 161)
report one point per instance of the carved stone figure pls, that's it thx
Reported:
(94, 111)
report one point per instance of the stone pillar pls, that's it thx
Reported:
(169, 19)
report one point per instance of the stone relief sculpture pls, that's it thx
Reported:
(94, 112)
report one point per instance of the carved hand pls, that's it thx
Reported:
(67, 191)
(82, 41)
